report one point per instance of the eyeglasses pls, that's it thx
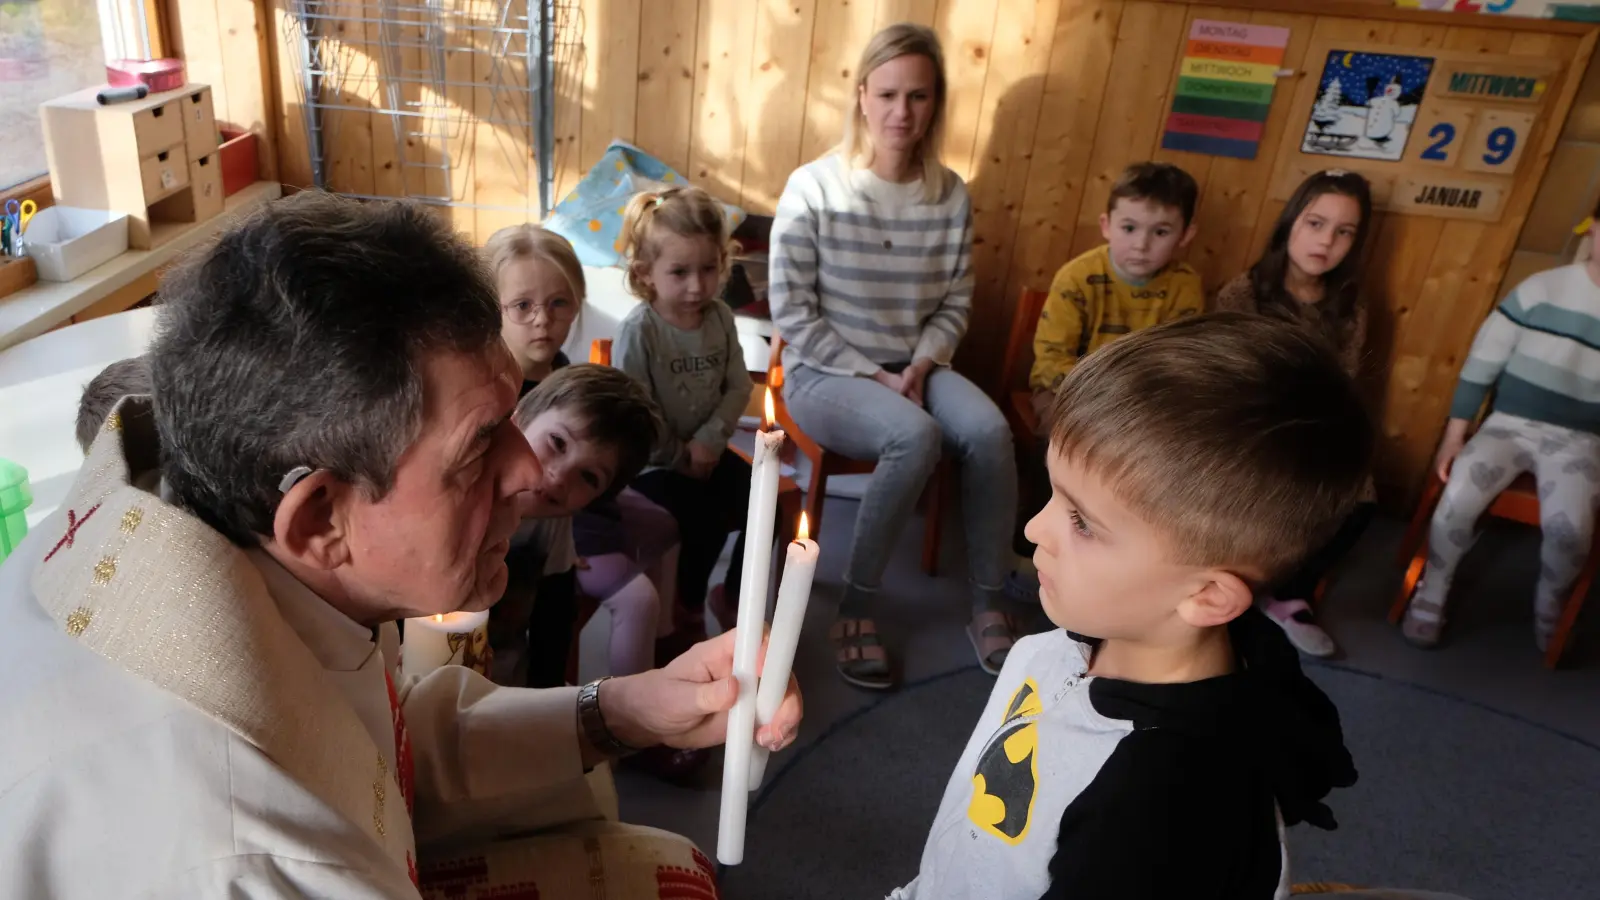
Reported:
(523, 312)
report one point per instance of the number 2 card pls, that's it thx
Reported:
(1442, 130)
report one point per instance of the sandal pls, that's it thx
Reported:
(992, 634)
(858, 654)
(1424, 623)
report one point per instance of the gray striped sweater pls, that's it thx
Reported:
(867, 273)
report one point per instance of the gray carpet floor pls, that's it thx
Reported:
(1479, 768)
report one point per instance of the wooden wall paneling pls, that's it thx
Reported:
(778, 75)
(570, 66)
(501, 185)
(922, 12)
(348, 132)
(197, 40)
(611, 79)
(722, 102)
(459, 136)
(665, 115)
(247, 73)
(1074, 82)
(1149, 43)
(843, 28)
(966, 29)
(1008, 122)
(1198, 165)
(293, 157)
(388, 180)
(1232, 203)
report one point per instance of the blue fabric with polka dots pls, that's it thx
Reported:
(591, 215)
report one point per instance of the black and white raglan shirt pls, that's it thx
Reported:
(1076, 786)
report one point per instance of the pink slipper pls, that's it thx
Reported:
(1300, 624)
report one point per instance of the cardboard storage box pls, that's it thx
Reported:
(66, 242)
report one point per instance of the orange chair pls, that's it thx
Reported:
(825, 464)
(1519, 503)
(1018, 405)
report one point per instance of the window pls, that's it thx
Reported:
(49, 48)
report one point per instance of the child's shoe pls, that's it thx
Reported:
(1300, 624)
(1424, 622)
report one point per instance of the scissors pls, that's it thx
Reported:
(19, 214)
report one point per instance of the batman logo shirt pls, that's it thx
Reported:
(1006, 779)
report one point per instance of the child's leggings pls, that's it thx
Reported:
(639, 614)
(1566, 465)
(706, 510)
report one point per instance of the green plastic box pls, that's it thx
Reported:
(15, 497)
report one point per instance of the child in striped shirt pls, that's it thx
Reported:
(1537, 353)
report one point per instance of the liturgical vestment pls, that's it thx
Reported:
(180, 717)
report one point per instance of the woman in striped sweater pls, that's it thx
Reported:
(871, 289)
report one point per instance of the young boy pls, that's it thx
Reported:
(592, 428)
(1127, 284)
(1148, 748)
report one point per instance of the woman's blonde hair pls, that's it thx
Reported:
(903, 39)
(684, 211)
(530, 241)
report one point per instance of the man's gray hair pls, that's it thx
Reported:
(298, 338)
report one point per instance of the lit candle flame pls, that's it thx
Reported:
(439, 618)
(804, 531)
(772, 414)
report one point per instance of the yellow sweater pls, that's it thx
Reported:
(1090, 306)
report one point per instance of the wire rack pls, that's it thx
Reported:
(449, 102)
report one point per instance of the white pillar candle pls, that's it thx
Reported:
(448, 639)
(754, 583)
(794, 592)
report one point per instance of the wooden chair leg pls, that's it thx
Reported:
(1569, 614)
(933, 521)
(1408, 584)
(816, 495)
(1420, 520)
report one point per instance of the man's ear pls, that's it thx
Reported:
(1188, 235)
(1221, 597)
(311, 525)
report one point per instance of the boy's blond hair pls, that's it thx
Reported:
(1239, 437)
(686, 212)
(893, 42)
(123, 378)
(530, 241)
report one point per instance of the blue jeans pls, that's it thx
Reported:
(862, 419)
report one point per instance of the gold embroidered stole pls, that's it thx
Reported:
(169, 599)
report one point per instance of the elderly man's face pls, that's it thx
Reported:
(437, 542)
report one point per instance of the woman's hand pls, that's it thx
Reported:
(915, 378)
(1455, 437)
(686, 703)
(889, 380)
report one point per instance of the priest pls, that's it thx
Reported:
(201, 694)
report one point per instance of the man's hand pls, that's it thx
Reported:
(1455, 437)
(686, 703)
(702, 459)
(914, 379)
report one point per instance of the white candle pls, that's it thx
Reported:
(794, 592)
(448, 639)
(754, 583)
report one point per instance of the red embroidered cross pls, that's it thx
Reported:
(73, 524)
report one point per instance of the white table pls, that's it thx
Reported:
(41, 382)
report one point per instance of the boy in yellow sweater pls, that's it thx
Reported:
(1127, 284)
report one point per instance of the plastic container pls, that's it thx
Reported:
(66, 241)
(15, 498)
(157, 74)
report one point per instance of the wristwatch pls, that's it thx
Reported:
(593, 721)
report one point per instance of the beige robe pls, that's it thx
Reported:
(182, 718)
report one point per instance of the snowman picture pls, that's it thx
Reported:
(1366, 104)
